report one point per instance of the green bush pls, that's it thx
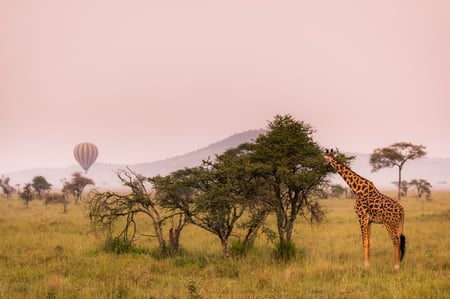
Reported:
(239, 249)
(285, 251)
(118, 245)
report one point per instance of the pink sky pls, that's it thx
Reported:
(147, 80)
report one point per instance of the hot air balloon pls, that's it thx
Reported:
(85, 153)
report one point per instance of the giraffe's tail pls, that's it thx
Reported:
(402, 246)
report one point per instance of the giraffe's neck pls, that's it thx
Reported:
(358, 184)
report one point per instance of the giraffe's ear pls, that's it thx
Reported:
(331, 151)
(326, 151)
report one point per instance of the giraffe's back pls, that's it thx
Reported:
(384, 209)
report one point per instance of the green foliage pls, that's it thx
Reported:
(291, 164)
(215, 195)
(422, 186)
(40, 185)
(108, 210)
(118, 245)
(279, 173)
(285, 251)
(76, 185)
(396, 155)
(6, 187)
(239, 248)
(164, 252)
(27, 194)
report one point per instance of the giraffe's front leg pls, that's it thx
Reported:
(365, 230)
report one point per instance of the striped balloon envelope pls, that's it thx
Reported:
(85, 153)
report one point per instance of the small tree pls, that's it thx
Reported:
(404, 187)
(106, 208)
(40, 185)
(211, 204)
(76, 185)
(396, 155)
(422, 186)
(6, 187)
(27, 194)
(292, 166)
(215, 195)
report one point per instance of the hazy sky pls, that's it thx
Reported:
(147, 80)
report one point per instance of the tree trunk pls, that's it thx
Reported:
(225, 249)
(399, 193)
(281, 230)
(159, 234)
(285, 226)
(173, 246)
(289, 232)
(174, 241)
(252, 230)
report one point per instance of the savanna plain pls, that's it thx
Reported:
(45, 253)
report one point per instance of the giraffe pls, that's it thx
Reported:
(373, 207)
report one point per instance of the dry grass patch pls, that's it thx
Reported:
(45, 253)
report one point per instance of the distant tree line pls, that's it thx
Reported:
(422, 187)
(39, 188)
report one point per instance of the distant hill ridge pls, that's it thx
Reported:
(104, 175)
(435, 170)
(195, 158)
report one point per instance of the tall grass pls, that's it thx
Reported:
(47, 254)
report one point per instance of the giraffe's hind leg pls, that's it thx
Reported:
(396, 237)
(365, 231)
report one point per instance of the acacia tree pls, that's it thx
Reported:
(6, 187)
(107, 208)
(245, 182)
(215, 195)
(404, 186)
(76, 185)
(173, 195)
(26, 194)
(40, 185)
(217, 207)
(291, 164)
(422, 186)
(396, 155)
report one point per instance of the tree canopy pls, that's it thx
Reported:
(6, 187)
(40, 185)
(76, 185)
(396, 155)
(291, 163)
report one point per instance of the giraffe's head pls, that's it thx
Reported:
(329, 156)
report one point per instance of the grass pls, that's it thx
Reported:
(47, 254)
